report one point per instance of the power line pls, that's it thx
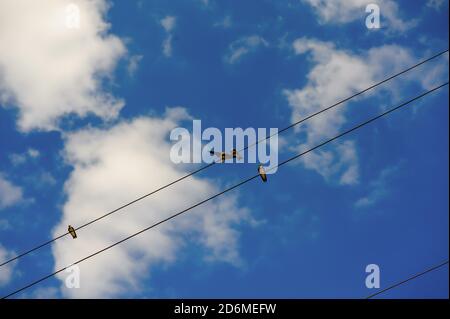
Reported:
(352, 96)
(230, 188)
(105, 215)
(211, 164)
(408, 279)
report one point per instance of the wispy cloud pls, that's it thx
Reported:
(45, 179)
(345, 11)
(17, 159)
(33, 153)
(10, 194)
(133, 63)
(379, 188)
(244, 46)
(224, 23)
(21, 158)
(6, 271)
(435, 4)
(168, 23)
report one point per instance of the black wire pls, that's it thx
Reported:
(209, 165)
(228, 189)
(105, 215)
(409, 279)
(364, 123)
(352, 97)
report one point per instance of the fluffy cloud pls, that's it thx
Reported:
(243, 46)
(7, 270)
(337, 74)
(51, 65)
(112, 167)
(168, 23)
(344, 11)
(9, 193)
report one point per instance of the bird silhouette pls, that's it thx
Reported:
(224, 156)
(72, 231)
(262, 173)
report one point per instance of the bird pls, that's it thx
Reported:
(224, 156)
(72, 231)
(262, 173)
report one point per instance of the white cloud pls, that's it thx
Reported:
(21, 158)
(133, 64)
(48, 70)
(9, 193)
(243, 46)
(345, 11)
(114, 166)
(168, 23)
(435, 73)
(46, 179)
(378, 188)
(6, 271)
(17, 159)
(33, 153)
(435, 4)
(337, 74)
(167, 46)
(340, 162)
(224, 23)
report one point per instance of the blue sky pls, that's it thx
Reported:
(85, 119)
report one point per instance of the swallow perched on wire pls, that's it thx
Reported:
(72, 231)
(224, 156)
(262, 173)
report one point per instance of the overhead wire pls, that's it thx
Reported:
(211, 164)
(408, 279)
(231, 188)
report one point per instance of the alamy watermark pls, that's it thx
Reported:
(373, 19)
(227, 147)
(373, 277)
(73, 278)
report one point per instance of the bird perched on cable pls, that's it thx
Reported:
(224, 156)
(72, 231)
(262, 173)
